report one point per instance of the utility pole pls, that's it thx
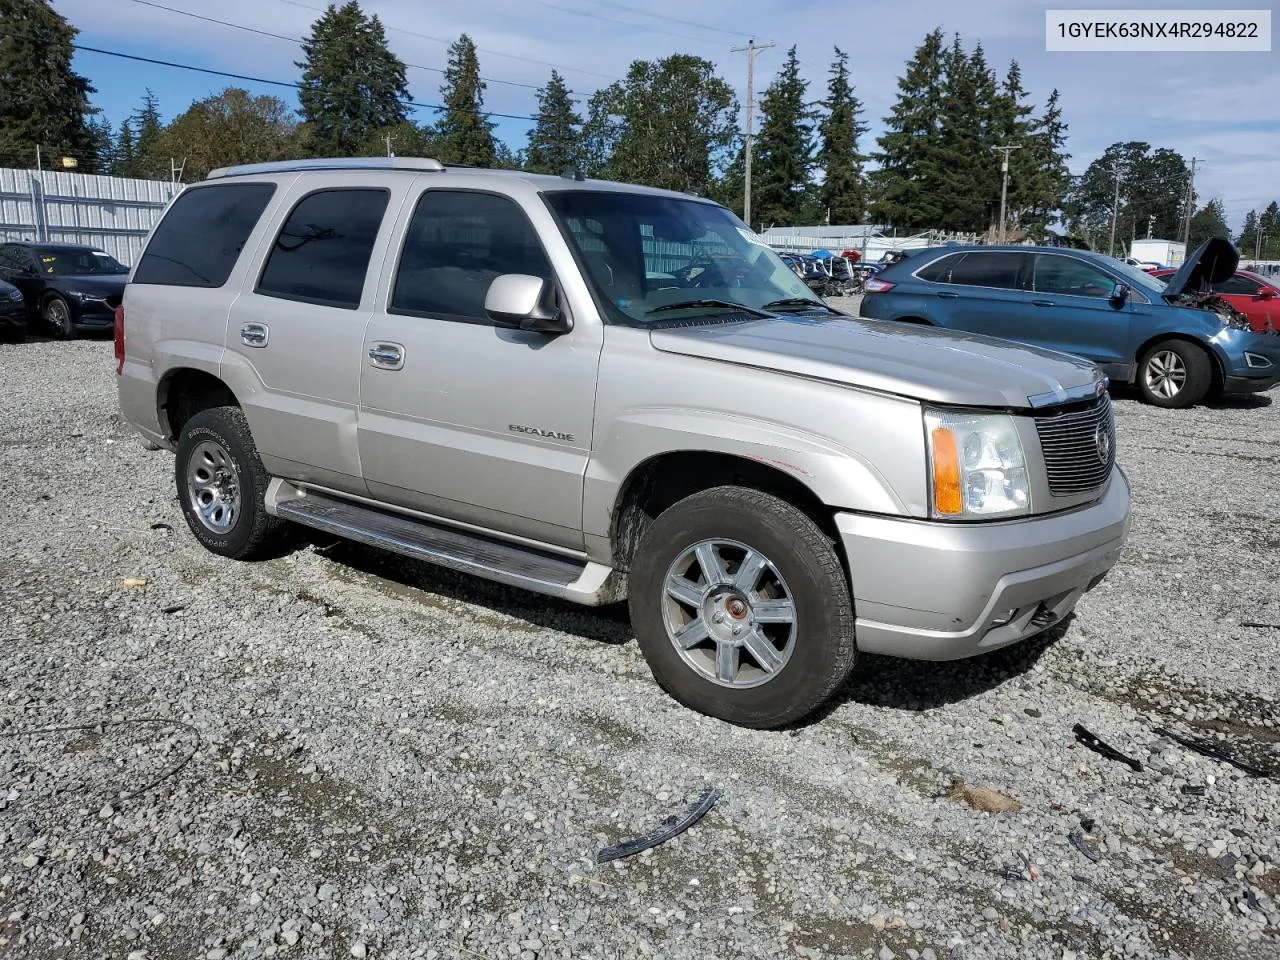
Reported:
(390, 140)
(1115, 212)
(1004, 185)
(1191, 204)
(751, 49)
(1151, 225)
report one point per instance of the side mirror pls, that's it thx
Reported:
(520, 300)
(1266, 293)
(1120, 293)
(30, 271)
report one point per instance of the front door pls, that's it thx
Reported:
(1071, 302)
(460, 417)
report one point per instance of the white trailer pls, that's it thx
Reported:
(1167, 253)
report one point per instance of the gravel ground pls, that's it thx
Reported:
(360, 756)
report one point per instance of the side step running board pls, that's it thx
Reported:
(512, 564)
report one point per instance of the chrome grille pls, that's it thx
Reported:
(1079, 448)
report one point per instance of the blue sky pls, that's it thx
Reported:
(1219, 107)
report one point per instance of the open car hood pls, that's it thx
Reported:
(1213, 262)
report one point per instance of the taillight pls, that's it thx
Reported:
(119, 339)
(875, 285)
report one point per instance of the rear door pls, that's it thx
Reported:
(1072, 310)
(983, 292)
(295, 332)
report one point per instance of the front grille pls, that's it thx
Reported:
(1079, 448)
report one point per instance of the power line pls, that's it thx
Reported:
(447, 42)
(622, 23)
(274, 83)
(300, 41)
(660, 16)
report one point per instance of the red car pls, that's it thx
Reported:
(1254, 296)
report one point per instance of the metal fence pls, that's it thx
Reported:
(111, 213)
(870, 242)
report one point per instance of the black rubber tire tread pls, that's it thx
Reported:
(69, 333)
(256, 534)
(1199, 374)
(806, 557)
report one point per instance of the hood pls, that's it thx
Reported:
(103, 283)
(1213, 262)
(926, 363)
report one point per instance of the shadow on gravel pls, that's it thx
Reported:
(1226, 401)
(427, 584)
(918, 685)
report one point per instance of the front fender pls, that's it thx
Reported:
(840, 477)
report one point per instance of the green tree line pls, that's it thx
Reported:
(670, 122)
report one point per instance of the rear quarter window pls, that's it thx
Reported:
(940, 270)
(200, 239)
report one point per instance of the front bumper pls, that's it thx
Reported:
(943, 591)
(1250, 384)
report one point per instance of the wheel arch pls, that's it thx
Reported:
(667, 478)
(185, 391)
(1217, 366)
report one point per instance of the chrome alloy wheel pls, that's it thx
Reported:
(1166, 374)
(729, 613)
(213, 487)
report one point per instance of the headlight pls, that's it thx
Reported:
(976, 465)
(15, 294)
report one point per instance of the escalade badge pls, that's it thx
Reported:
(1102, 442)
(536, 432)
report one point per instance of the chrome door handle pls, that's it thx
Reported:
(948, 296)
(254, 334)
(1042, 303)
(388, 356)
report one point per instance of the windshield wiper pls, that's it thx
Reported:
(726, 304)
(805, 302)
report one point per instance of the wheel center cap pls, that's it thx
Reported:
(736, 608)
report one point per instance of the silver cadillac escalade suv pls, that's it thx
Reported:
(599, 392)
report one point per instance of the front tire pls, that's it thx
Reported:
(221, 485)
(741, 607)
(57, 318)
(1175, 374)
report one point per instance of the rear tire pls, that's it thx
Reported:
(752, 666)
(1175, 374)
(221, 485)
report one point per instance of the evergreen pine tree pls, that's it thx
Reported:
(43, 102)
(555, 142)
(843, 192)
(1211, 221)
(1010, 125)
(104, 146)
(906, 189)
(125, 156)
(465, 136)
(960, 166)
(783, 159)
(1269, 224)
(1247, 242)
(352, 84)
(1045, 179)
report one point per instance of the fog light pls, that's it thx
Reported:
(1256, 361)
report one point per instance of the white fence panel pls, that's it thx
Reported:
(114, 214)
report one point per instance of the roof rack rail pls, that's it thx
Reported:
(329, 163)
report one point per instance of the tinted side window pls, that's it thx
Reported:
(1067, 276)
(988, 270)
(457, 243)
(200, 238)
(324, 248)
(940, 270)
(1241, 285)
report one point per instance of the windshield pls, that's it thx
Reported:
(77, 261)
(1138, 278)
(643, 252)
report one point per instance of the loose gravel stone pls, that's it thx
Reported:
(390, 755)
